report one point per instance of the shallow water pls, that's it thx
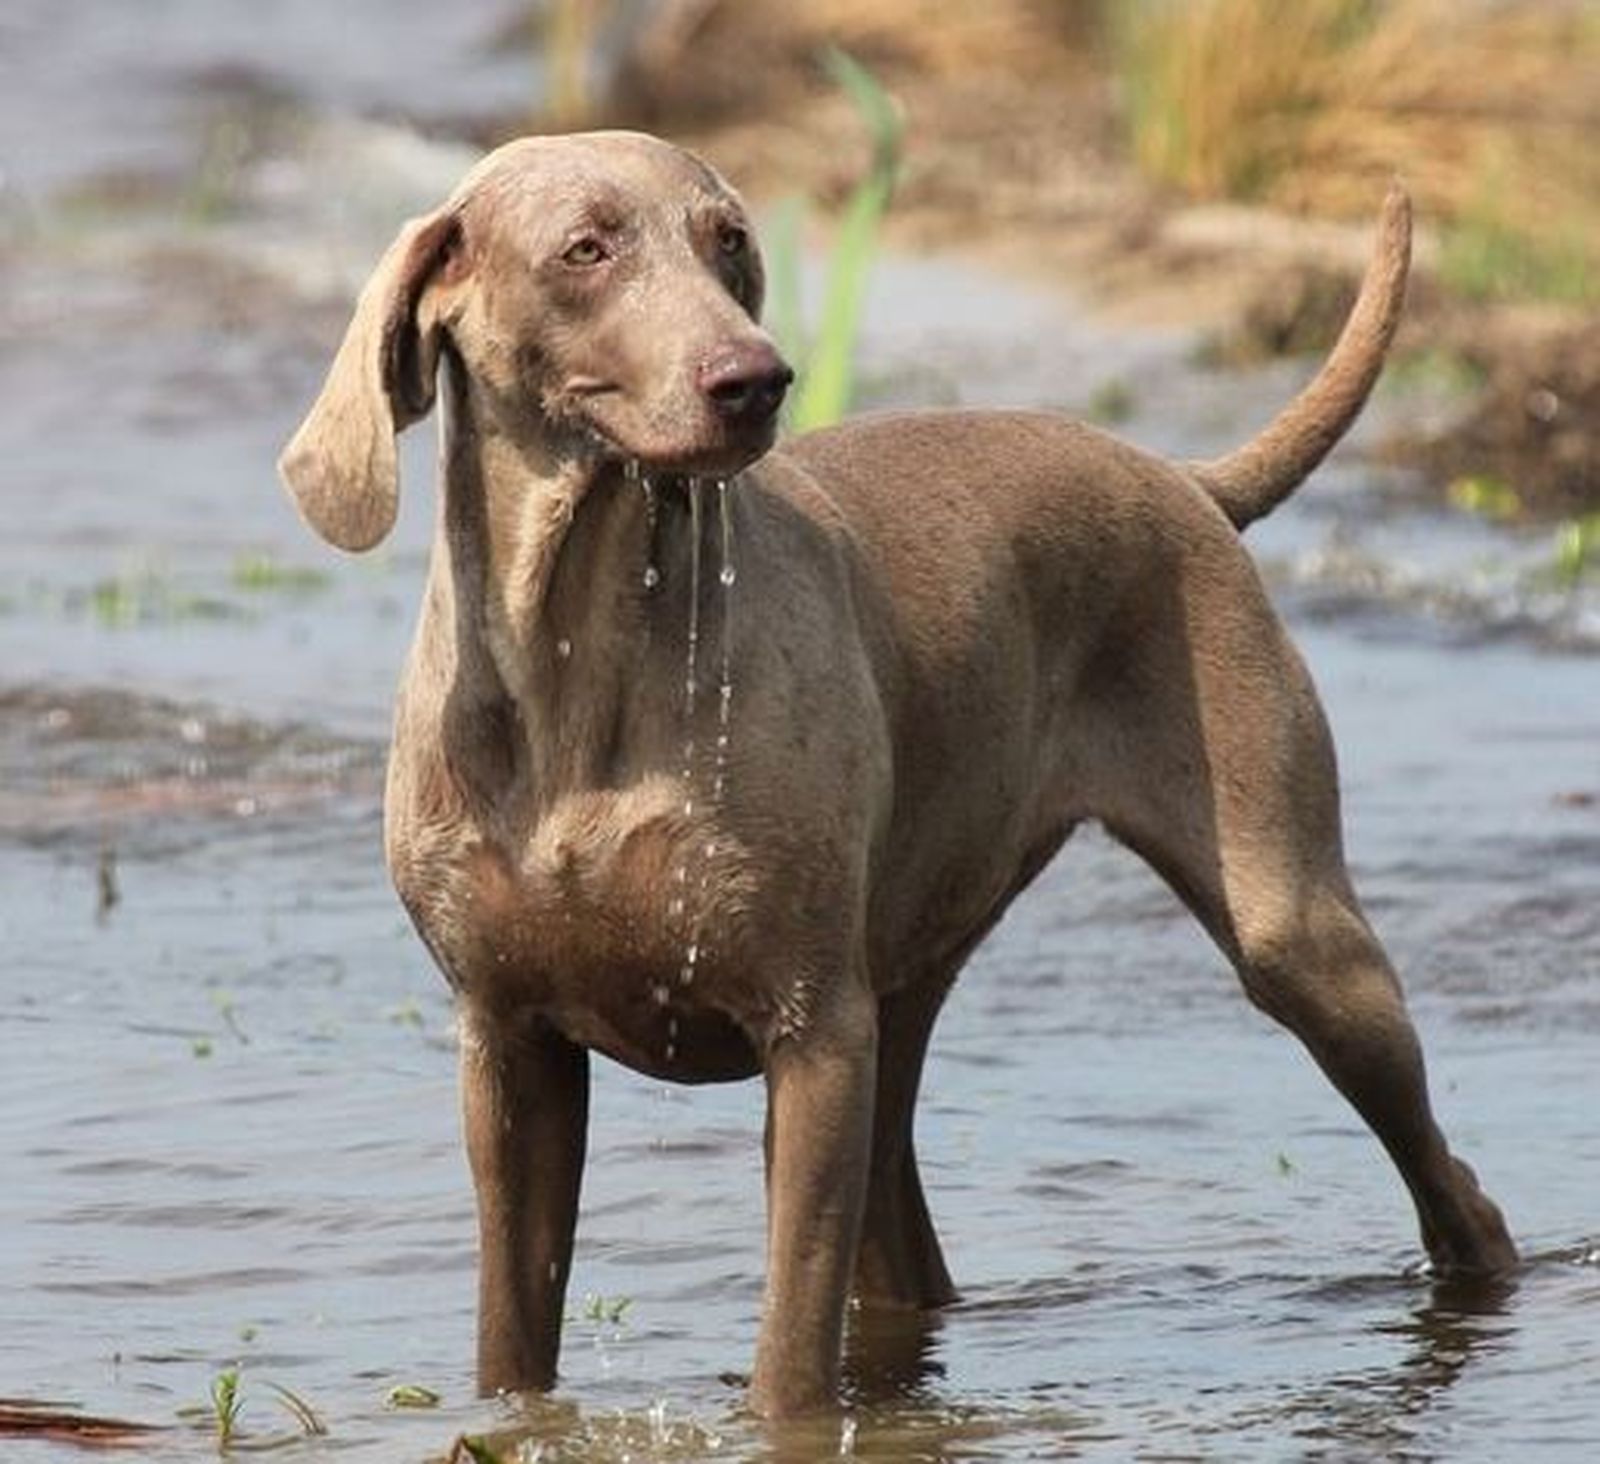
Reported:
(227, 1111)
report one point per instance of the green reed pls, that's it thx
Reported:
(825, 357)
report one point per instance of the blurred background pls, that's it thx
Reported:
(227, 1096)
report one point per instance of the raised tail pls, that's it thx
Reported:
(1253, 480)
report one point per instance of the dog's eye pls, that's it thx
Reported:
(731, 239)
(584, 252)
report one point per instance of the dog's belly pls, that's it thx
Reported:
(617, 920)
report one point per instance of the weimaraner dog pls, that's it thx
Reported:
(954, 637)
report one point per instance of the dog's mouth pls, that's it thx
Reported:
(694, 434)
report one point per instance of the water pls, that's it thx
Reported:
(690, 880)
(651, 578)
(691, 686)
(727, 577)
(227, 1102)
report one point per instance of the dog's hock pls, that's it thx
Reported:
(341, 466)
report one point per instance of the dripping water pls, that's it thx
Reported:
(690, 886)
(691, 670)
(726, 578)
(691, 689)
(635, 474)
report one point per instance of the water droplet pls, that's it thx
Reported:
(652, 575)
(729, 574)
(563, 648)
(660, 994)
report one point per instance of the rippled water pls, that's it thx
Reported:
(227, 1098)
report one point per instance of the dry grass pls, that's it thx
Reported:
(1489, 110)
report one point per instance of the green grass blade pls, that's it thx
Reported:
(783, 274)
(828, 386)
(827, 383)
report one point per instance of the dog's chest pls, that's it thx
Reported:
(617, 917)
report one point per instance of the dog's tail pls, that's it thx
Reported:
(1253, 480)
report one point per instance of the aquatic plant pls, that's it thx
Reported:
(264, 573)
(1488, 111)
(1217, 91)
(1577, 553)
(108, 892)
(412, 1395)
(144, 595)
(226, 1405)
(212, 193)
(1487, 496)
(474, 1449)
(303, 1413)
(567, 43)
(1488, 254)
(824, 359)
(1111, 402)
(607, 1309)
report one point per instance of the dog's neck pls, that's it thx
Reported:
(555, 567)
(510, 500)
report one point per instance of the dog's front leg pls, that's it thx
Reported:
(525, 1107)
(819, 1138)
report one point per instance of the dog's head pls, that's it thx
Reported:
(601, 295)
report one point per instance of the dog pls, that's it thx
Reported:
(954, 637)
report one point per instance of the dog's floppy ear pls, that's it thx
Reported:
(341, 466)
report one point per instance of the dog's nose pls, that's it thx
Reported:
(746, 383)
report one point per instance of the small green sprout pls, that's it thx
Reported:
(412, 1395)
(226, 1405)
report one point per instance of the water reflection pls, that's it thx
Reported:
(892, 1356)
(1459, 1324)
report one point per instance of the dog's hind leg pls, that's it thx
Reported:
(1227, 785)
(1314, 964)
